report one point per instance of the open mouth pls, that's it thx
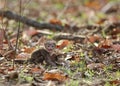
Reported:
(49, 49)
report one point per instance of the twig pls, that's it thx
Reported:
(108, 6)
(19, 26)
(18, 31)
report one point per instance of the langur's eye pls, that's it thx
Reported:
(48, 46)
(52, 46)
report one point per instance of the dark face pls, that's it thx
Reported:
(50, 46)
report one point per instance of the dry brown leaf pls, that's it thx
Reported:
(11, 68)
(96, 4)
(54, 76)
(22, 56)
(115, 82)
(36, 70)
(107, 43)
(93, 39)
(55, 21)
(101, 21)
(5, 41)
(28, 50)
(93, 4)
(63, 43)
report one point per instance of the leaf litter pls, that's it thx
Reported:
(91, 60)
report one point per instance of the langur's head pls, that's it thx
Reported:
(50, 45)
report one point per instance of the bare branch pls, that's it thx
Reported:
(27, 21)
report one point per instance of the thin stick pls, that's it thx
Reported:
(18, 31)
(19, 26)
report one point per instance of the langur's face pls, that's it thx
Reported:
(50, 46)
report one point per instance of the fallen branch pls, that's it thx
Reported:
(37, 25)
(76, 38)
(27, 21)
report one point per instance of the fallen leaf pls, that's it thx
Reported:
(106, 43)
(28, 50)
(101, 21)
(55, 21)
(54, 76)
(22, 56)
(95, 4)
(62, 44)
(36, 70)
(115, 82)
(11, 68)
(93, 39)
(5, 41)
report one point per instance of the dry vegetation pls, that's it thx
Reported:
(87, 35)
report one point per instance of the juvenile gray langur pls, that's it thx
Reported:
(45, 54)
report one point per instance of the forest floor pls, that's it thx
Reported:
(87, 35)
